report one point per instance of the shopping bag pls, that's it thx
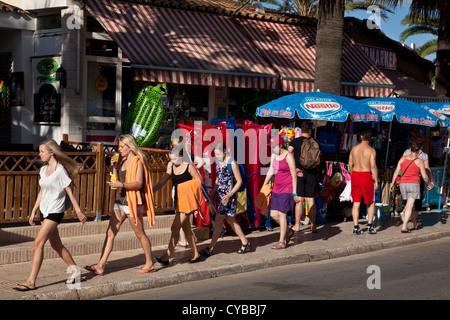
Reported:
(241, 203)
(346, 194)
(328, 140)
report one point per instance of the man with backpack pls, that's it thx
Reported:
(307, 156)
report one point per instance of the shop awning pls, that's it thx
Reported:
(185, 47)
(413, 90)
(291, 49)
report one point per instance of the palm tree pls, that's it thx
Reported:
(421, 25)
(329, 41)
(330, 35)
(438, 9)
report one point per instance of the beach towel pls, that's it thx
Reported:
(190, 196)
(135, 198)
(263, 199)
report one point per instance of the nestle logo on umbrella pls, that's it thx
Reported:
(383, 108)
(329, 107)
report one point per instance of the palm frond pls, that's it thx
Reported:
(428, 48)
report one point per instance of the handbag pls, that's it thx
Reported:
(241, 202)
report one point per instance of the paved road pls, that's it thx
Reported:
(414, 272)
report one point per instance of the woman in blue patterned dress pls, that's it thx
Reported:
(226, 191)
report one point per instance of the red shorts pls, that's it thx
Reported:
(362, 185)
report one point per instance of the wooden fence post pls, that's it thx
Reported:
(100, 184)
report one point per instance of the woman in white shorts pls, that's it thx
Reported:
(128, 149)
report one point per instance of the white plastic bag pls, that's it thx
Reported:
(346, 194)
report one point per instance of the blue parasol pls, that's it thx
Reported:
(318, 106)
(442, 107)
(407, 111)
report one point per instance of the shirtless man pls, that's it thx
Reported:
(362, 166)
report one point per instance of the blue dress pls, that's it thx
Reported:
(224, 186)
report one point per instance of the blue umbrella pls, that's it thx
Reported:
(317, 106)
(442, 107)
(406, 111)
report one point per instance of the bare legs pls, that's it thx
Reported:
(181, 221)
(408, 213)
(299, 213)
(218, 227)
(48, 231)
(355, 213)
(115, 223)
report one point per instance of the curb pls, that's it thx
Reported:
(158, 281)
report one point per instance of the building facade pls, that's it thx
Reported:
(73, 67)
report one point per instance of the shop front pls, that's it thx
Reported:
(221, 57)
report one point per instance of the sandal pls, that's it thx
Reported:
(406, 231)
(289, 235)
(92, 269)
(244, 248)
(23, 287)
(163, 262)
(279, 245)
(195, 260)
(144, 270)
(207, 252)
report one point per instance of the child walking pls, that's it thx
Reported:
(226, 199)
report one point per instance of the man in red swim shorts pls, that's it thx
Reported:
(364, 180)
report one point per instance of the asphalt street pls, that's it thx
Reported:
(413, 272)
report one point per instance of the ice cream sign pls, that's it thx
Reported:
(383, 107)
(323, 107)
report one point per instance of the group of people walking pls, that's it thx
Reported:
(293, 183)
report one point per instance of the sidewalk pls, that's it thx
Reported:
(334, 239)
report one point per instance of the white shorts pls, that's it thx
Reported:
(126, 209)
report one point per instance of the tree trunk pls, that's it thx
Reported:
(442, 76)
(329, 39)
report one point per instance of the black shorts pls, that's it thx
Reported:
(57, 217)
(306, 185)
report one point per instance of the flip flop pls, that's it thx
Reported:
(406, 231)
(144, 271)
(92, 269)
(24, 288)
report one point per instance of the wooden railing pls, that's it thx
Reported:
(19, 181)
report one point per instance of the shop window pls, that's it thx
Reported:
(101, 48)
(51, 21)
(92, 25)
(101, 96)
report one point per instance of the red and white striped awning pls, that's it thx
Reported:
(179, 46)
(291, 49)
